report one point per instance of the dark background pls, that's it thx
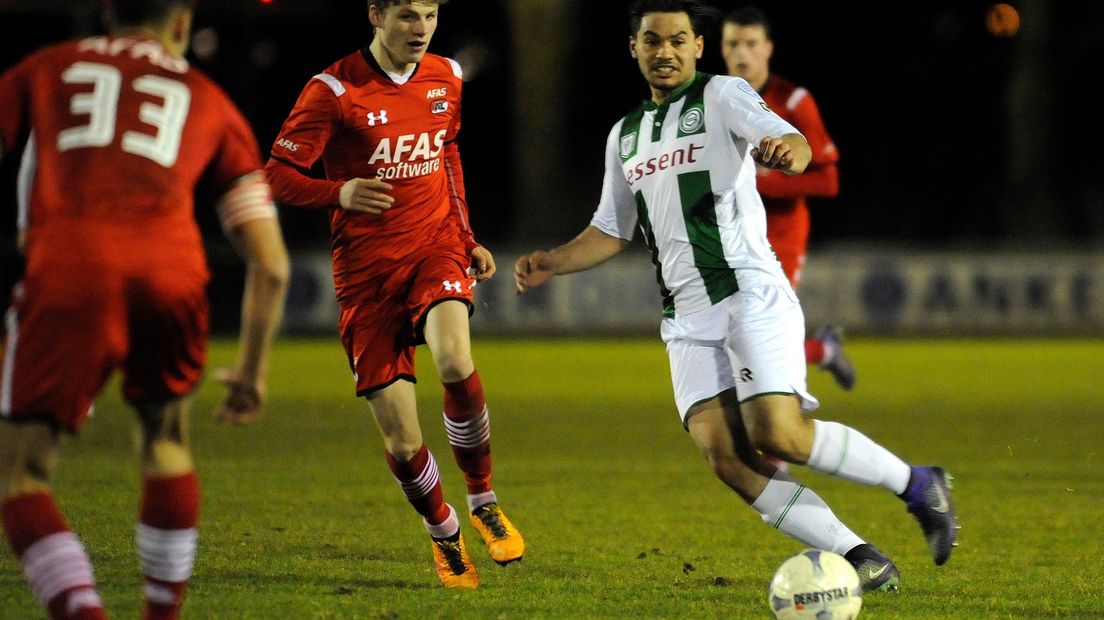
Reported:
(948, 135)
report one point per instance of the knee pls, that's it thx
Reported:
(166, 457)
(454, 364)
(780, 441)
(403, 451)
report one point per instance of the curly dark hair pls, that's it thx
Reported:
(702, 16)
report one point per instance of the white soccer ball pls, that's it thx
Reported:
(815, 585)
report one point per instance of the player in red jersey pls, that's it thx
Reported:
(746, 46)
(384, 122)
(117, 131)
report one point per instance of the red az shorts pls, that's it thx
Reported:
(381, 324)
(67, 334)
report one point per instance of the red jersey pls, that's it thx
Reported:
(363, 123)
(118, 133)
(784, 195)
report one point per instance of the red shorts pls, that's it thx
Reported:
(68, 333)
(788, 234)
(382, 324)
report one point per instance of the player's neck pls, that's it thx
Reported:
(162, 38)
(386, 61)
(760, 82)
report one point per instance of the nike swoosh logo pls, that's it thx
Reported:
(942, 506)
(879, 572)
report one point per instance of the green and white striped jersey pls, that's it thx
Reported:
(683, 171)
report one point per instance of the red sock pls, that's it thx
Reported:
(60, 572)
(167, 542)
(814, 351)
(421, 483)
(468, 427)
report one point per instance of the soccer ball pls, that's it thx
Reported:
(815, 585)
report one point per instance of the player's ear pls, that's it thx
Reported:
(181, 28)
(375, 16)
(632, 46)
(699, 46)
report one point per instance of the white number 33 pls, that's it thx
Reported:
(102, 103)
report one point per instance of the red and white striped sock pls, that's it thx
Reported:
(468, 426)
(421, 483)
(167, 537)
(54, 560)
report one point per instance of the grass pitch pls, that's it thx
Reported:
(302, 519)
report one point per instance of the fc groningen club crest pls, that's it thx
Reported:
(628, 145)
(691, 121)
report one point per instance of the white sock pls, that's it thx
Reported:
(56, 563)
(798, 512)
(842, 451)
(446, 528)
(480, 499)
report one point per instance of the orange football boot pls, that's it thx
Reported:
(504, 541)
(454, 565)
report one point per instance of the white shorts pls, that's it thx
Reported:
(753, 341)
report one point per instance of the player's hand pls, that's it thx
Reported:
(243, 403)
(482, 263)
(773, 153)
(366, 196)
(532, 270)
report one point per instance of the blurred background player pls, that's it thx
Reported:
(117, 131)
(680, 166)
(384, 122)
(747, 47)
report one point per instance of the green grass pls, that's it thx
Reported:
(302, 519)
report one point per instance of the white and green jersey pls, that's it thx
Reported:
(683, 172)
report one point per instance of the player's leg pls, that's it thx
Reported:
(774, 400)
(378, 338)
(826, 352)
(168, 326)
(41, 394)
(415, 469)
(705, 395)
(788, 234)
(169, 508)
(444, 288)
(781, 501)
(54, 560)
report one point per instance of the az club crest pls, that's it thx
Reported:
(440, 106)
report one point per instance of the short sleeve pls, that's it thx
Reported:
(616, 213)
(746, 114)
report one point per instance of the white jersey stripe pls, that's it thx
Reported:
(795, 98)
(11, 323)
(28, 168)
(335, 84)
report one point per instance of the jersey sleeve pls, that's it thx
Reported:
(238, 154)
(454, 173)
(13, 106)
(313, 120)
(616, 213)
(747, 115)
(821, 177)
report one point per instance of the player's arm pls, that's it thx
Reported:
(789, 153)
(314, 119)
(590, 248)
(778, 145)
(482, 261)
(821, 177)
(249, 219)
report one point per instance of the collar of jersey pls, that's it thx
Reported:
(371, 60)
(676, 94)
